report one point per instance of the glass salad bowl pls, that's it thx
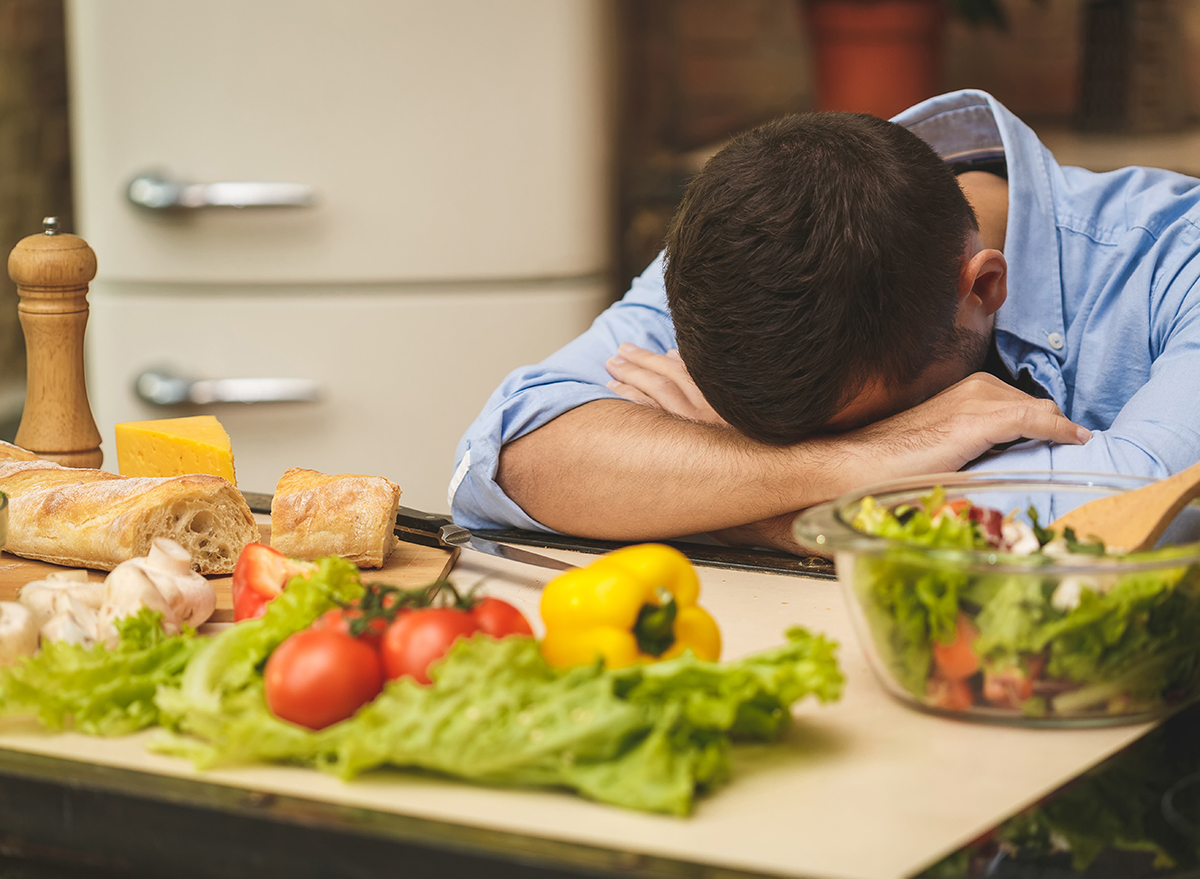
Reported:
(966, 605)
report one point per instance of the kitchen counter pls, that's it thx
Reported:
(864, 788)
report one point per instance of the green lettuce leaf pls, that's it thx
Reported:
(919, 524)
(908, 604)
(1131, 640)
(648, 737)
(219, 696)
(97, 690)
(1135, 641)
(908, 599)
(1014, 620)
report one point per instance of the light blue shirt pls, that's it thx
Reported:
(1103, 312)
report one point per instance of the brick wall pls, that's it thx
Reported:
(35, 174)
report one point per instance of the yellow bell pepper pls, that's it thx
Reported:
(636, 604)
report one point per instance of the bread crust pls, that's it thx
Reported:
(95, 519)
(9, 452)
(315, 514)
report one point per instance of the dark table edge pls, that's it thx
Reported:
(540, 854)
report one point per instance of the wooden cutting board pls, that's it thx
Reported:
(408, 566)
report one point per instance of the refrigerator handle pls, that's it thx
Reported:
(158, 193)
(161, 388)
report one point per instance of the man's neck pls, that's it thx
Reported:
(988, 195)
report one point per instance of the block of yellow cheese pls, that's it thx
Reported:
(174, 447)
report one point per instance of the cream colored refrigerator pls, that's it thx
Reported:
(336, 226)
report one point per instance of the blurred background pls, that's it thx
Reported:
(482, 178)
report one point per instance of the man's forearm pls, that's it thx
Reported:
(617, 470)
(623, 471)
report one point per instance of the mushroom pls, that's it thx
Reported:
(75, 624)
(65, 606)
(18, 632)
(49, 597)
(163, 581)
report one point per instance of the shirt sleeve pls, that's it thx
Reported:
(534, 395)
(1157, 431)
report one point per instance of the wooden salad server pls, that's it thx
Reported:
(1133, 520)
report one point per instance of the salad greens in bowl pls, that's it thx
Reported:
(968, 604)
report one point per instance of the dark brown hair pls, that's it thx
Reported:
(809, 256)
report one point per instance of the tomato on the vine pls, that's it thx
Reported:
(317, 677)
(340, 619)
(499, 619)
(420, 637)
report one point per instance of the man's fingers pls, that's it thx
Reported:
(963, 422)
(1013, 413)
(1041, 422)
(629, 392)
(659, 380)
(653, 384)
(665, 365)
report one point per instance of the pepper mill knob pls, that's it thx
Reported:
(52, 271)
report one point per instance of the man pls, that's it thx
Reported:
(847, 312)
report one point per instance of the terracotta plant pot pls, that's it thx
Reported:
(875, 56)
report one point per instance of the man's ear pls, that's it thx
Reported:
(983, 282)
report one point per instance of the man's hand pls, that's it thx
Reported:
(660, 381)
(942, 434)
(956, 426)
(775, 533)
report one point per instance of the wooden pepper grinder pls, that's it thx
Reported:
(52, 272)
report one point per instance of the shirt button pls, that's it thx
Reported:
(1055, 340)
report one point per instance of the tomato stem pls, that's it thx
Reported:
(386, 602)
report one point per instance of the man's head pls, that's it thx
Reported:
(815, 265)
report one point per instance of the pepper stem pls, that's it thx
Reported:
(655, 626)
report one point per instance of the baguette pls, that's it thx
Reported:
(95, 519)
(9, 452)
(314, 514)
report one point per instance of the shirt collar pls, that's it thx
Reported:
(971, 125)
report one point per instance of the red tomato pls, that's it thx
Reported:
(420, 637)
(499, 618)
(957, 661)
(952, 508)
(260, 574)
(339, 618)
(318, 677)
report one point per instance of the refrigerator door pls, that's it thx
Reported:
(399, 374)
(448, 140)
(427, 190)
